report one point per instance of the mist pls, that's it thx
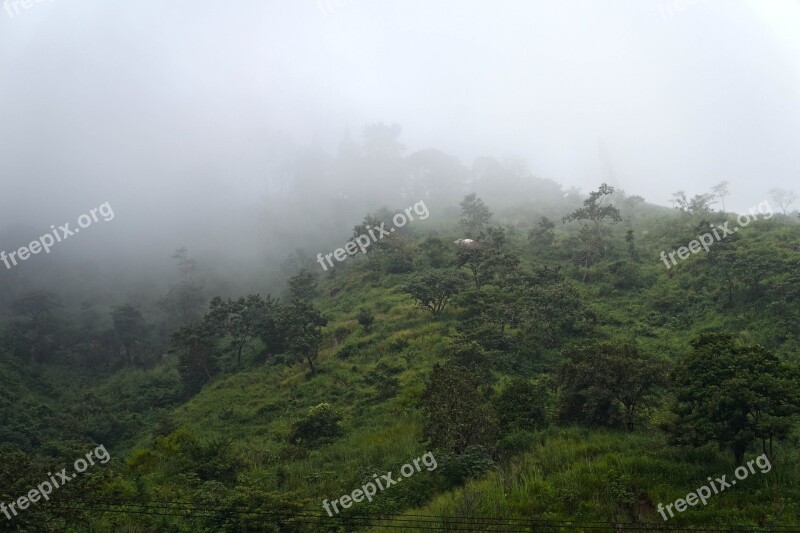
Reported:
(202, 123)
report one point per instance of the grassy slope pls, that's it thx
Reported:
(568, 474)
(596, 476)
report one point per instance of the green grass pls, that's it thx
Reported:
(565, 474)
(599, 476)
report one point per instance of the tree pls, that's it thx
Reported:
(436, 251)
(544, 234)
(197, 363)
(751, 268)
(732, 394)
(478, 261)
(237, 319)
(37, 306)
(720, 190)
(268, 327)
(606, 383)
(475, 215)
(631, 202)
(521, 405)
(486, 316)
(503, 265)
(784, 198)
(186, 265)
(297, 261)
(550, 311)
(370, 223)
(184, 302)
(592, 239)
(432, 175)
(587, 247)
(456, 414)
(723, 257)
(539, 308)
(632, 251)
(433, 289)
(382, 140)
(494, 239)
(88, 336)
(396, 254)
(129, 329)
(303, 286)
(593, 209)
(700, 204)
(300, 324)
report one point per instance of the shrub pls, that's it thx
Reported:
(471, 463)
(366, 318)
(521, 405)
(319, 426)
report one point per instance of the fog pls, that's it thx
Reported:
(193, 120)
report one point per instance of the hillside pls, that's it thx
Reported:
(349, 376)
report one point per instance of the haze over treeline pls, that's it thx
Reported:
(261, 253)
(244, 130)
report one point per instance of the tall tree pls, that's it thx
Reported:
(475, 215)
(784, 198)
(457, 415)
(129, 330)
(596, 216)
(197, 363)
(522, 405)
(433, 290)
(632, 251)
(436, 251)
(493, 238)
(268, 327)
(301, 325)
(543, 234)
(303, 286)
(733, 394)
(371, 223)
(593, 209)
(721, 191)
(237, 319)
(606, 381)
(699, 204)
(37, 306)
(186, 265)
(383, 140)
(478, 261)
(184, 302)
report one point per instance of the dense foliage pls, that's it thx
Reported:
(557, 372)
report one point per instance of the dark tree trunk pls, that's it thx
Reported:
(738, 453)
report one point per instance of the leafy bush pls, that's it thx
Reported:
(516, 442)
(521, 405)
(319, 426)
(366, 318)
(471, 463)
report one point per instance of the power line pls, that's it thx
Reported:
(403, 520)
